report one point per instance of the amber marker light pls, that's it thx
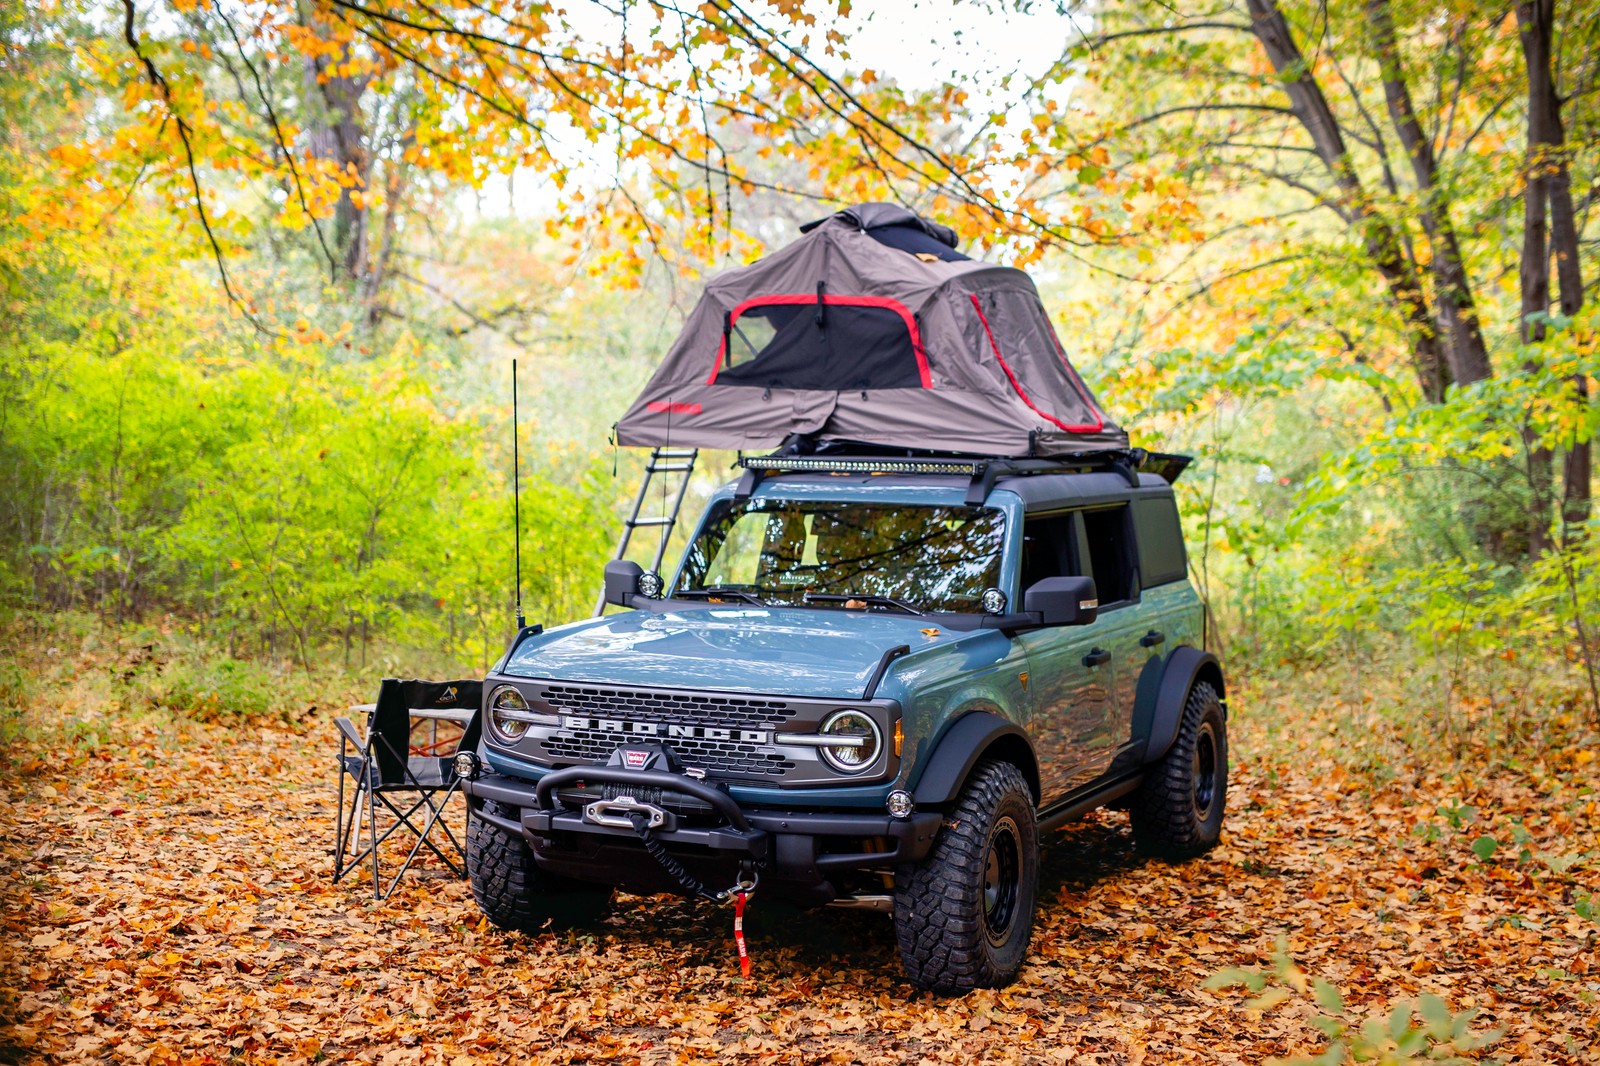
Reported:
(899, 736)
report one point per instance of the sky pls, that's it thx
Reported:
(916, 43)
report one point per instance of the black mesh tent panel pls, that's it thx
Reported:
(803, 342)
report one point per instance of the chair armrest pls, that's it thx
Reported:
(348, 729)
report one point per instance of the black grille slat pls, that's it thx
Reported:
(719, 756)
(676, 707)
(722, 757)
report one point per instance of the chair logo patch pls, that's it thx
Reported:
(448, 694)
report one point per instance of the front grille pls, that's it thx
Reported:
(723, 757)
(680, 708)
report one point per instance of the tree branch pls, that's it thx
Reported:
(185, 134)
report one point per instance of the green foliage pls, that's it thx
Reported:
(1424, 1031)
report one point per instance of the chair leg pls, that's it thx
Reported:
(422, 839)
(372, 822)
(403, 818)
(347, 854)
(339, 826)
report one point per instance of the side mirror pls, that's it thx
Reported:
(1062, 601)
(622, 581)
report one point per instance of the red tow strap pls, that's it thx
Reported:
(739, 900)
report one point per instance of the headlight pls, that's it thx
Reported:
(863, 741)
(508, 713)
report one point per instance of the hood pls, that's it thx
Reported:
(816, 652)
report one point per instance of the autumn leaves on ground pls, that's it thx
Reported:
(166, 899)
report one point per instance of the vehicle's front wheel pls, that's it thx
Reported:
(1177, 812)
(964, 915)
(514, 893)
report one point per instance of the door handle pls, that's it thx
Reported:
(1096, 657)
(1151, 639)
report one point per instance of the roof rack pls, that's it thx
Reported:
(984, 471)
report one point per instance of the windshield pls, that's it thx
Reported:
(880, 556)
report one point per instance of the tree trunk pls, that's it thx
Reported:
(1468, 354)
(1549, 186)
(1536, 21)
(334, 132)
(1382, 243)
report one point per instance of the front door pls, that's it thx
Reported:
(1072, 670)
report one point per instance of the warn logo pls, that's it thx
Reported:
(635, 760)
(662, 731)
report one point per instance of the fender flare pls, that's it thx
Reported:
(1162, 708)
(968, 740)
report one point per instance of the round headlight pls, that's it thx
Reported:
(861, 737)
(507, 709)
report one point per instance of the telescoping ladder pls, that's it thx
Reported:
(665, 463)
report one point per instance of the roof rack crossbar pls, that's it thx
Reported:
(984, 471)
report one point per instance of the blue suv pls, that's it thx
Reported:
(873, 681)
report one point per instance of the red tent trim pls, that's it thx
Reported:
(1015, 384)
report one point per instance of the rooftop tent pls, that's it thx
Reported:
(871, 328)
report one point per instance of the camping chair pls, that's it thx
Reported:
(386, 769)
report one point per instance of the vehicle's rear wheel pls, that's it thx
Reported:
(1177, 812)
(514, 893)
(964, 915)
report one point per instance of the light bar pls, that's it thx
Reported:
(966, 467)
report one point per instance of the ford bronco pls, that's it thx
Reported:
(874, 682)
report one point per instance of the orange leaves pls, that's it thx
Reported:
(200, 922)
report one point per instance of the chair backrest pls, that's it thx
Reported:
(391, 718)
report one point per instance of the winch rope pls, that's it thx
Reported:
(740, 893)
(641, 826)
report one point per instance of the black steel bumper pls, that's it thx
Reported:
(804, 848)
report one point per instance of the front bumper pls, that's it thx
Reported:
(801, 853)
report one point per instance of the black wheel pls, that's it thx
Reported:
(1177, 812)
(964, 915)
(514, 893)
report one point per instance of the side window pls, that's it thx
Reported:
(1161, 555)
(1049, 546)
(1110, 546)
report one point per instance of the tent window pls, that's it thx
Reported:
(840, 343)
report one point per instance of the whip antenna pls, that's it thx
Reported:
(516, 496)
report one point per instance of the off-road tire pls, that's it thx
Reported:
(1177, 811)
(514, 893)
(964, 915)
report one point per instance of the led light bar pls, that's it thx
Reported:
(793, 464)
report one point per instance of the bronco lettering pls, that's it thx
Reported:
(655, 729)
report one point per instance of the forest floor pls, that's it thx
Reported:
(165, 898)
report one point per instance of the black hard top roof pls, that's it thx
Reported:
(1039, 492)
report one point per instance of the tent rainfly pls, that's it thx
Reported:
(871, 329)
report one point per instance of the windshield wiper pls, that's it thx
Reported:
(861, 597)
(717, 591)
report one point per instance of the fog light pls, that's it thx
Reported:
(900, 804)
(650, 585)
(994, 601)
(466, 765)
